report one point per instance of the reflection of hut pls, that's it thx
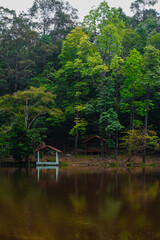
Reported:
(92, 145)
(44, 151)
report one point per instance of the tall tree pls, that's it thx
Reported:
(72, 85)
(53, 15)
(117, 76)
(132, 88)
(151, 78)
(146, 29)
(22, 111)
(141, 9)
(53, 20)
(131, 40)
(17, 44)
(155, 41)
(105, 30)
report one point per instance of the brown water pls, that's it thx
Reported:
(80, 204)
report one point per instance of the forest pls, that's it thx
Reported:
(63, 81)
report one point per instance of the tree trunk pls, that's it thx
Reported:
(76, 142)
(26, 114)
(146, 124)
(76, 138)
(101, 146)
(101, 126)
(132, 115)
(132, 109)
(131, 128)
(117, 111)
(116, 149)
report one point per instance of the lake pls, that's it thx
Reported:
(80, 204)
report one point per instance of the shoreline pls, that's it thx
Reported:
(68, 160)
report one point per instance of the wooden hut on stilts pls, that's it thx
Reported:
(40, 161)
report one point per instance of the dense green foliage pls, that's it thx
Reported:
(64, 81)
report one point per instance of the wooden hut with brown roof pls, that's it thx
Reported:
(92, 145)
(42, 149)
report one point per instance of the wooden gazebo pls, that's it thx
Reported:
(92, 145)
(39, 162)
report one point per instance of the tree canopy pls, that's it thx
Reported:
(65, 81)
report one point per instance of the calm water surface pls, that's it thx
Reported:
(80, 204)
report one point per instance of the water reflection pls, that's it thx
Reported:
(43, 168)
(110, 204)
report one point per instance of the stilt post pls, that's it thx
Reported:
(38, 156)
(57, 159)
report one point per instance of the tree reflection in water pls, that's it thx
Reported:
(117, 204)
